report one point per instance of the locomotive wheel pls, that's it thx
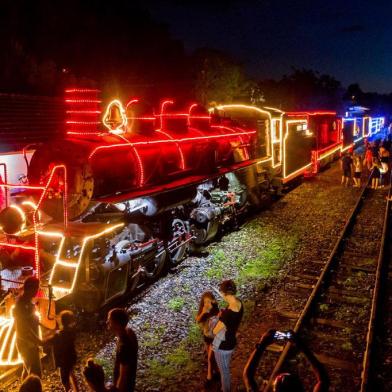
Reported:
(177, 248)
(154, 268)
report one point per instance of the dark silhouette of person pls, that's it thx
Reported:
(27, 328)
(95, 376)
(284, 382)
(31, 383)
(124, 373)
(63, 343)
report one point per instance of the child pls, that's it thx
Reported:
(375, 173)
(63, 343)
(94, 376)
(357, 171)
(207, 318)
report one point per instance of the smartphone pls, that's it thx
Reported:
(279, 335)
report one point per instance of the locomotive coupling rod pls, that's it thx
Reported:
(182, 243)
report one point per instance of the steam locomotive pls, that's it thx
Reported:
(112, 203)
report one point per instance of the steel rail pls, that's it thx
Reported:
(365, 376)
(316, 290)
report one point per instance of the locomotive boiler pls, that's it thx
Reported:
(141, 154)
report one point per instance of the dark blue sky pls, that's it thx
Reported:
(351, 40)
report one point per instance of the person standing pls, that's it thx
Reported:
(375, 173)
(207, 318)
(27, 328)
(63, 343)
(357, 171)
(368, 158)
(124, 373)
(229, 321)
(384, 159)
(346, 165)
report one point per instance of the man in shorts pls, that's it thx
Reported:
(124, 373)
(346, 165)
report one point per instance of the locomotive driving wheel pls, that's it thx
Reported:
(179, 244)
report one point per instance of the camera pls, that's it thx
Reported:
(279, 335)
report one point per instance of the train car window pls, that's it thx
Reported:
(251, 120)
(325, 129)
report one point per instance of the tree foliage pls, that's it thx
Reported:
(219, 79)
(303, 89)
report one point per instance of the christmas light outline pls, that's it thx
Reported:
(85, 241)
(7, 324)
(285, 176)
(118, 130)
(5, 180)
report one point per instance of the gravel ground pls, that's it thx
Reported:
(302, 226)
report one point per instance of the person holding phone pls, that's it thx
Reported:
(225, 331)
(284, 382)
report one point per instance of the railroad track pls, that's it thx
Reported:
(338, 319)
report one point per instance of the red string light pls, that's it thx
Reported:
(131, 102)
(83, 122)
(83, 112)
(312, 113)
(36, 238)
(182, 160)
(83, 101)
(4, 181)
(138, 159)
(81, 90)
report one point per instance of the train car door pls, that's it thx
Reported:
(366, 126)
(348, 125)
(276, 140)
(298, 143)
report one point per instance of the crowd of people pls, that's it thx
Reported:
(62, 344)
(374, 162)
(219, 328)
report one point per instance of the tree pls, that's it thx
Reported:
(219, 79)
(303, 89)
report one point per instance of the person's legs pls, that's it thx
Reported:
(223, 358)
(210, 357)
(31, 361)
(64, 375)
(74, 382)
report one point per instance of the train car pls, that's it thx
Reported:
(357, 128)
(300, 142)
